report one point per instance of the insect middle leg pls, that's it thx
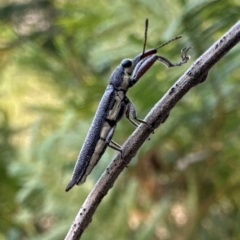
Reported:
(131, 109)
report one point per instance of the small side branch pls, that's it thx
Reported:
(196, 74)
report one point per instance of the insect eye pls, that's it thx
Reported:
(126, 63)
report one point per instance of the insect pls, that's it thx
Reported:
(113, 105)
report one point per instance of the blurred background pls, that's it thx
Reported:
(56, 57)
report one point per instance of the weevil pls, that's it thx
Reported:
(113, 105)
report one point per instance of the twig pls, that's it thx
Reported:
(196, 74)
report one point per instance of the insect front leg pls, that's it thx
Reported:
(169, 64)
(148, 61)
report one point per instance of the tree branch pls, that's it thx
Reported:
(196, 74)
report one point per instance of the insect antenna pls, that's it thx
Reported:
(145, 36)
(164, 44)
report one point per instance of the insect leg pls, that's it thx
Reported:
(127, 114)
(131, 109)
(141, 68)
(148, 61)
(169, 64)
(116, 147)
(111, 143)
(115, 144)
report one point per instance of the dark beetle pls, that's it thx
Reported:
(113, 105)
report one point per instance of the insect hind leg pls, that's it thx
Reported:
(111, 143)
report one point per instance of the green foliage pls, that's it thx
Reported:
(55, 59)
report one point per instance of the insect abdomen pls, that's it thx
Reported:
(92, 139)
